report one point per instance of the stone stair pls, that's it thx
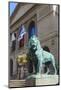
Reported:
(21, 83)
(17, 83)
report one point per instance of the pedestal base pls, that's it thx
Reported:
(45, 79)
(35, 80)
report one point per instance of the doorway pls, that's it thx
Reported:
(11, 67)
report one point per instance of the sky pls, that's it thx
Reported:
(12, 7)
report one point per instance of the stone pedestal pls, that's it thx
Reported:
(47, 80)
(39, 80)
(35, 80)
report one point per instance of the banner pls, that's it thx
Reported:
(22, 32)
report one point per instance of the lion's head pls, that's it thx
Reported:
(34, 43)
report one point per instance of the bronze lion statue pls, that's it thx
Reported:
(40, 57)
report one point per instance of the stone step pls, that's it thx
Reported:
(17, 83)
(21, 83)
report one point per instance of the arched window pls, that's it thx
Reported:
(32, 29)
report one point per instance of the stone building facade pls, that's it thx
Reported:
(45, 21)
